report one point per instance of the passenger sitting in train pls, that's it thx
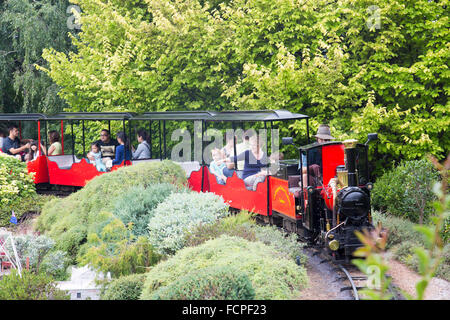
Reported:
(34, 151)
(96, 154)
(255, 164)
(123, 150)
(107, 146)
(143, 149)
(2, 138)
(217, 165)
(55, 148)
(11, 144)
(229, 152)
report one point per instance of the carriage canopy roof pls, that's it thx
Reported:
(263, 115)
(22, 116)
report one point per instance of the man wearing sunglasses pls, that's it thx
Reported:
(107, 146)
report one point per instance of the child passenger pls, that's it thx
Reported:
(216, 166)
(97, 155)
(34, 151)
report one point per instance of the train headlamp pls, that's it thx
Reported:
(334, 245)
(369, 186)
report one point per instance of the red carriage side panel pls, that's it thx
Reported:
(77, 175)
(195, 180)
(237, 196)
(281, 199)
(39, 167)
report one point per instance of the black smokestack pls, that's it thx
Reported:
(351, 153)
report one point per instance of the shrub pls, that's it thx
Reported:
(30, 286)
(124, 288)
(281, 241)
(271, 274)
(215, 283)
(16, 185)
(242, 225)
(136, 204)
(238, 225)
(55, 263)
(33, 247)
(403, 238)
(406, 191)
(69, 221)
(180, 213)
(399, 230)
(116, 250)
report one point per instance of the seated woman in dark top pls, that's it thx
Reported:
(255, 164)
(123, 149)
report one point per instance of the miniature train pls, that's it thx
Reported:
(326, 209)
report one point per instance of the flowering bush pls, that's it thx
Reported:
(16, 184)
(180, 213)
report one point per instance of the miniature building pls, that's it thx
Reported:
(82, 284)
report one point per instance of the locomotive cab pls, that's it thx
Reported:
(333, 194)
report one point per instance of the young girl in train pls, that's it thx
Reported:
(96, 153)
(217, 165)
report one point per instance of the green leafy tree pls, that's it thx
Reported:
(361, 66)
(26, 28)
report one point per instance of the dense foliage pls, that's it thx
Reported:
(113, 248)
(242, 225)
(363, 66)
(216, 283)
(271, 274)
(26, 28)
(16, 187)
(407, 190)
(40, 254)
(180, 213)
(136, 205)
(69, 221)
(30, 286)
(403, 238)
(124, 288)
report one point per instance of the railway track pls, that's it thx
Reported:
(350, 277)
